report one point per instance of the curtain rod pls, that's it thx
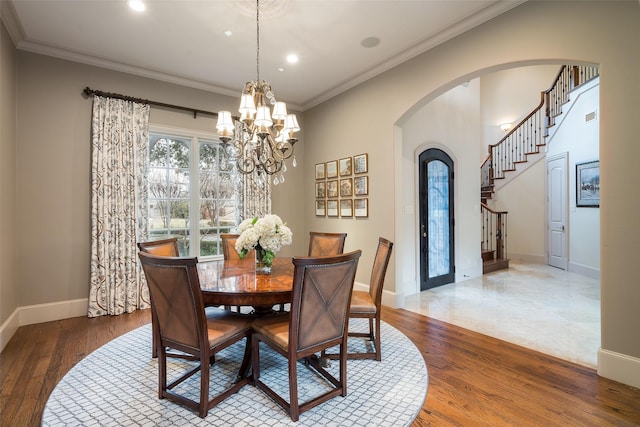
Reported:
(88, 92)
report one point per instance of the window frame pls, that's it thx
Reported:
(196, 138)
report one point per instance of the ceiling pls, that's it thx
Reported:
(183, 41)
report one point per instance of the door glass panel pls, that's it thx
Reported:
(438, 218)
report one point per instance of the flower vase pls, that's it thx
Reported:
(261, 266)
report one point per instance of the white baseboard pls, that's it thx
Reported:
(527, 258)
(619, 367)
(585, 270)
(41, 313)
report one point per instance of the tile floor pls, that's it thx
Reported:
(537, 306)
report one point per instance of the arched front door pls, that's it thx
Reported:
(436, 219)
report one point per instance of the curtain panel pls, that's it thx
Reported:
(119, 138)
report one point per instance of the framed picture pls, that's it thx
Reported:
(588, 184)
(346, 167)
(320, 171)
(346, 187)
(332, 169)
(332, 208)
(321, 207)
(361, 185)
(346, 208)
(361, 208)
(321, 189)
(361, 163)
(332, 188)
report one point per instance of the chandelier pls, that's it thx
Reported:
(259, 140)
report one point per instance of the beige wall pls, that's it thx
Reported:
(8, 288)
(364, 119)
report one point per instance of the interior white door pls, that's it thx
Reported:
(557, 210)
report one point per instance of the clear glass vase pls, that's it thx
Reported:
(261, 266)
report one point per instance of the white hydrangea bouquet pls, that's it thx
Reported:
(266, 235)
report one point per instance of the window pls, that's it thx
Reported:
(191, 191)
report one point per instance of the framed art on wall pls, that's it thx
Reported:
(346, 187)
(321, 189)
(588, 184)
(332, 169)
(346, 208)
(320, 171)
(346, 167)
(321, 208)
(332, 188)
(361, 208)
(361, 185)
(332, 208)
(361, 163)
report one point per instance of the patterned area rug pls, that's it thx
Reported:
(117, 386)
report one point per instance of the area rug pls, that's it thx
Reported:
(117, 386)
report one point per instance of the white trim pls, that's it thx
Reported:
(40, 313)
(527, 258)
(585, 270)
(619, 367)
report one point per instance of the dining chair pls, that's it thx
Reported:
(322, 288)
(368, 305)
(176, 298)
(229, 252)
(325, 244)
(163, 247)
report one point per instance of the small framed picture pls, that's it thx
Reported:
(332, 208)
(346, 187)
(332, 188)
(588, 184)
(332, 169)
(361, 163)
(361, 208)
(346, 167)
(346, 208)
(321, 208)
(361, 185)
(321, 189)
(320, 171)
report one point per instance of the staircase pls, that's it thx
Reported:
(524, 140)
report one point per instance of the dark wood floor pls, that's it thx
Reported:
(474, 380)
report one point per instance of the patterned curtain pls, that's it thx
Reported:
(119, 134)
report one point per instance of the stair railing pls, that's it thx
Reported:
(494, 231)
(528, 135)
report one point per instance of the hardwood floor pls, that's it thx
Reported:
(474, 380)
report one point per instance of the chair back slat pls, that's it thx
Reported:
(379, 270)
(164, 247)
(176, 300)
(326, 244)
(321, 297)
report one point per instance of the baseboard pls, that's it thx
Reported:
(619, 367)
(9, 328)
(41, 313)
(527, 258)
(585, 270)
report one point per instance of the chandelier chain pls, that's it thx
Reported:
(258, 40)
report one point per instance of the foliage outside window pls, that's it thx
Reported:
(191, 192)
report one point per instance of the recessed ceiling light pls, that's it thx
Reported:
(137, 5)
(292, 58)
(370, 42)
(228, 33)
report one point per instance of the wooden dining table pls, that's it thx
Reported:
(236, 283)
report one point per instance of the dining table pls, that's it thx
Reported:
(237, 283)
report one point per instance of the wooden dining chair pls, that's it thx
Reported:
(325, 244)
(229, 251)
(322, 288)
(368, 305)
(176, 298)
(163, 247)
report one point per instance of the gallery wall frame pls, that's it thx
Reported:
(320, 171)
(361, 208)
(321, 208)
(588, 184)
(340, 185)
(332, 169)
(361, 163)
(346, 166)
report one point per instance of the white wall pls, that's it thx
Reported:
(581, 140)
(451, 122)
